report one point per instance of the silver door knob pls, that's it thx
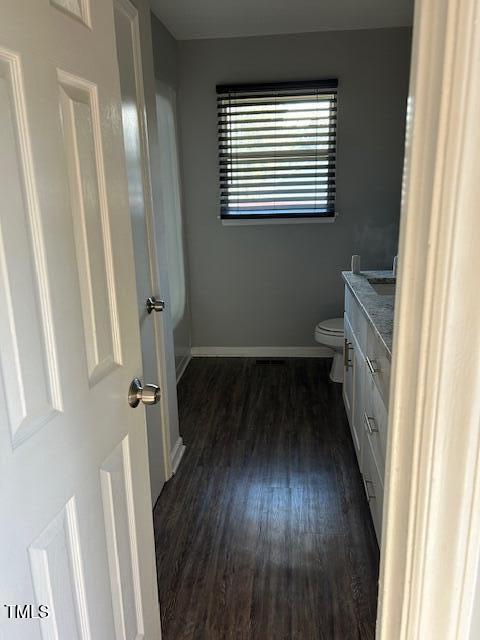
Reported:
(148, 393)
(152, 304)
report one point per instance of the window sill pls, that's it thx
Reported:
(236, 222)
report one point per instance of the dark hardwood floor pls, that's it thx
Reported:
(264, 532)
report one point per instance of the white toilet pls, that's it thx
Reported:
(330, 333)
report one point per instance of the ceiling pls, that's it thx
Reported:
(192, 19)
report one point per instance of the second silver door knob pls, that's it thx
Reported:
(153, 304)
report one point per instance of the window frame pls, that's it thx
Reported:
(279, 214)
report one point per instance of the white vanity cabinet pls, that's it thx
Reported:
(365, 393)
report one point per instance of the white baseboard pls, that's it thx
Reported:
(182, 366)
(262, 352)
(176, 454)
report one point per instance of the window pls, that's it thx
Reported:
(277, 146)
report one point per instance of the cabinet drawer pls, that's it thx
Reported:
(375, 424)
(356, 318)
(373, 489)
(378, 364)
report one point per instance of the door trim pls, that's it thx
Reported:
(176, 454)
(431, 541)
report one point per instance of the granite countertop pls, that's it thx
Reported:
(378, 309)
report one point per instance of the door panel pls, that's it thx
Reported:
(91, 224)
(77, 8)
(57, 572)
(69, 334)
(28, 343)
(122, 542)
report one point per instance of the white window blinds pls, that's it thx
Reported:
(277, 149)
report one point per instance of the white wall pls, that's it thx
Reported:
(270, 285)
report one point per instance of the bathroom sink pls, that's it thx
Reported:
(383, 288)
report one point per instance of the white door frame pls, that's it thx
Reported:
(431, 541)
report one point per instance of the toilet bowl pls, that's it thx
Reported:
(330, 334)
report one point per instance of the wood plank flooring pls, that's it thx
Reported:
(264, 532)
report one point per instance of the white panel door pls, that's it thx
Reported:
(141, 214)
(76, 535)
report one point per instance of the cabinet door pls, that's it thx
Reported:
(358, 431)
(374, 489)
(348, 371)
(375, 422)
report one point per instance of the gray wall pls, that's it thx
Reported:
(165, 54)
(270, 285)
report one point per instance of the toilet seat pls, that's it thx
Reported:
(332, 327)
